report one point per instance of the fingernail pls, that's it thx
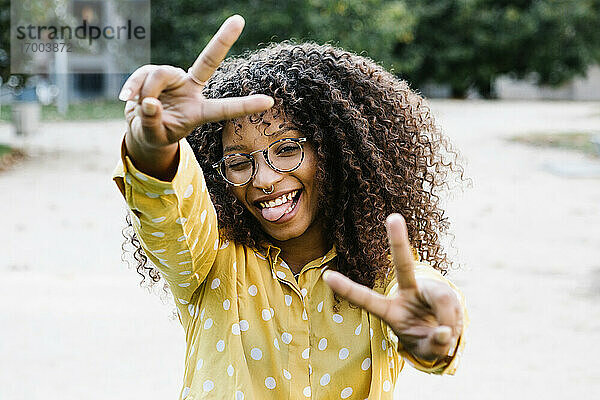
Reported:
(391, 217)
(124, 95)
(271, 101)
(326, 275)
(148, 108)
(443, 335)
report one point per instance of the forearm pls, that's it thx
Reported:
(174, 220)
(159, 162)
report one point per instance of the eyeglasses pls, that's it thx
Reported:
(283, 155)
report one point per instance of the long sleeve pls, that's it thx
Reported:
(175, 221)
(450, 364)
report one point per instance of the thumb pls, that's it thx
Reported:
(150, 114)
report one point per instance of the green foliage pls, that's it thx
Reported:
(468, 43)
(578, 141)
(4, 149)
(181, 28)
(4, 39)
(87, 110)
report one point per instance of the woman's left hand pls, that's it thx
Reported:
(425, 314)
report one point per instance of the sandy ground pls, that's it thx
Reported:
(75, 325)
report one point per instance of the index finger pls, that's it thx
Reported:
(216, 50)
(402, 256)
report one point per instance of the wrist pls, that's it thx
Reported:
(157, 161)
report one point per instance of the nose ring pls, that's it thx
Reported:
(269, 191)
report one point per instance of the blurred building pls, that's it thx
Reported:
(84, 79)
(583, 89)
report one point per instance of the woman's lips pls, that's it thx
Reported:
(274, 214)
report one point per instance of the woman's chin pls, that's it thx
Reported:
(281, 235)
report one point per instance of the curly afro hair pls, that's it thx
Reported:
(378, 152)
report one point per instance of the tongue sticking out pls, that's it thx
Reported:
(274, 213)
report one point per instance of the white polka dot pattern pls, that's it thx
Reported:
(244, 325)
(366, 364)
(286, 337)
(185, 392)
(188, 192)
(343, 354)
(346, 392)
(387, 385)
(270, 382)
(266, 314)
(306, 353)
(252, 290)
(208, 385)
(322, 344)
(141, 177)
(256, 354)
(306, 391)
(286, 374)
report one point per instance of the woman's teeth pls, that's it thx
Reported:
(280, 200)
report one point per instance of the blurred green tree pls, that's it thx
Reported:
(468, 43)
(181, 28)
(4, 39)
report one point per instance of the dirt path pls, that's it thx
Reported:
(73, 323)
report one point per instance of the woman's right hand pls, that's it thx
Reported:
(165, 104)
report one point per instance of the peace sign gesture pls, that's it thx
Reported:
(426, 315)
(165, 103)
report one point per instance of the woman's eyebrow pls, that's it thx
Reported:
(240, 147)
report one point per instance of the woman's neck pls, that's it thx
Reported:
(298, 252)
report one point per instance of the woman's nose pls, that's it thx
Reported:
(265, 176)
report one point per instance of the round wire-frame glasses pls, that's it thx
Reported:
(239, 160)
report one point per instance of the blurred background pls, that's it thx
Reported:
(515, 84)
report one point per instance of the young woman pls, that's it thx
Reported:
(258, 185)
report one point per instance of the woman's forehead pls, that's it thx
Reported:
(249, 132)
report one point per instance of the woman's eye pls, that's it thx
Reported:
(239, 165)
(286, 149)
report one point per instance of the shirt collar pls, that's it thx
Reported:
(272, 254)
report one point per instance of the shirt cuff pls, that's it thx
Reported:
(126, 175)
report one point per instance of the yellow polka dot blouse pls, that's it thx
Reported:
(252, 330)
